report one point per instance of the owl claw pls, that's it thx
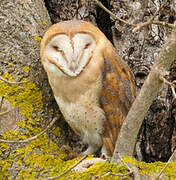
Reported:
(104, 156)
(104, 153)
(90, 150)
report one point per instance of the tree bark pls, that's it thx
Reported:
(28, 106)
(128, 135)
(139, 50)
(22, 25)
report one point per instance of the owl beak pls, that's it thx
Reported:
(73, 66)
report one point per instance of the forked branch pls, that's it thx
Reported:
(125, 144)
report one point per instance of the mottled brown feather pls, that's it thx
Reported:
(117, 95)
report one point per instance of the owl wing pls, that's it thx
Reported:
(117, 95)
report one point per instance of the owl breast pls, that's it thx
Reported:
(84, 115)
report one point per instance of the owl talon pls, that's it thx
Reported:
(90, 150)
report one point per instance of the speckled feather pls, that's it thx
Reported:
(117, 96)
(96, 97)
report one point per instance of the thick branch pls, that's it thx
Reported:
(127, 138)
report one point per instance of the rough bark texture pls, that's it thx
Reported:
(139, 49)
(128, 134)
(22, 24)
(31, 105)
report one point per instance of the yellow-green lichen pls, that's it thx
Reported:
(38, 39)
(44, 22)
(11, 66)
(26, 69)
(25, 96)
(153, 168)
(57, 131)
(41, 158)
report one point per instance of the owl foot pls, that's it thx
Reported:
(90, 150)
(104, 153)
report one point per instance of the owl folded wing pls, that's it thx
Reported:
(117, 96)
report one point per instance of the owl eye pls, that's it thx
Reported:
(87, 45)
(56, 48)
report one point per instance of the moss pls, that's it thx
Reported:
(41, 158)
(38, 39)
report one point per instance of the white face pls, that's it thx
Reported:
(71, 55)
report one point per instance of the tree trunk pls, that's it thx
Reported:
(139, 49)
(22, 25)
(128, 134)
(28, 106)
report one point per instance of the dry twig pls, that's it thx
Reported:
(166, 164)
(133, 170)
(113, 174)
(171, 84)
(11, 82)
(113, 15)
(129, 168)
(32, 138)
(69, 169)
(5, 112)
(138, 26)
(151, 20)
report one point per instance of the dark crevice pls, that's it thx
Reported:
(103, 20)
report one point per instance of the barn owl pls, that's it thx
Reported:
(92, 85)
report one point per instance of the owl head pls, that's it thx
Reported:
(69, 46)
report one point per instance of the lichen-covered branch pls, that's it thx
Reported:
(69, 169)
(11, 82)
(127, 138)
(168, 162)
(32, 138)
